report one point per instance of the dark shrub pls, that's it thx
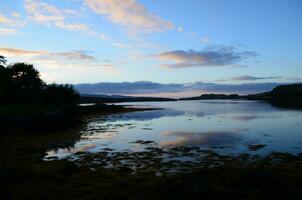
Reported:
(56, 94)
(24, 85)
(20, 84)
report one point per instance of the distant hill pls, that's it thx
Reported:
(283, 96)
(107, 96)
(213, 96)
(94, 98)
(282, 92)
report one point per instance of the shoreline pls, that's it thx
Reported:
(45, 120)
(42, 120)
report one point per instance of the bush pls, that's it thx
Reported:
(61, 94)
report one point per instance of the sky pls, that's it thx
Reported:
(156, 47)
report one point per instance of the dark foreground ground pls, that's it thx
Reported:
(142, 175)
(24, 175)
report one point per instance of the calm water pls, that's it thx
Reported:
(225, 126)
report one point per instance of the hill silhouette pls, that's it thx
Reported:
(286, 93)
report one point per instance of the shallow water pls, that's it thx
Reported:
(224, 126)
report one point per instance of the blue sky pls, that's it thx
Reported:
(233, 42)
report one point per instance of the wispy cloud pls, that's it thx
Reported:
(50, 15)
(8, 31)
(205, 39)
(4, 20)
(56, 60)
(7, 51)
(12, 20)
(121, 45)
(130, 14)
(210, 56)
(253, 78)
(73, 55)
(197, 38)
(180, 29)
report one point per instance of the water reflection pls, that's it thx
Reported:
(254, 117)
(205, 139)
(150, 115)
(228, 125)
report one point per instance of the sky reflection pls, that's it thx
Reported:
(227, 126)
(205, 139)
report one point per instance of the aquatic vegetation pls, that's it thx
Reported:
(255, 147)
(143, 142)
(153, 174)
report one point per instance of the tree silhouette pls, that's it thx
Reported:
(25, 83)
(20, 83)
(2, 61)
(61, 94)
(25, 76)
(4, 78)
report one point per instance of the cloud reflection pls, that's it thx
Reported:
(207, 139)
(150, 115)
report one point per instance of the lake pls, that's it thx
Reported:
(223, 126)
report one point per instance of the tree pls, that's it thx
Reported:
(20, 83)
(4, 78)
(25, 76)
(61, 94)
(2, 61)
(26, 85)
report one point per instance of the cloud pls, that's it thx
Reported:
(56, 60)
(127, 87)
(145, 88)
(50, 15)
(5, 20)
(76, 55)
(121, 45)
(253, 78)
(11, 21)
(180, 29)
(7, 31)
(208, 57)
(7, 51)
(205, 40)
(130, 14)
(16, 14)
(43, 54)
